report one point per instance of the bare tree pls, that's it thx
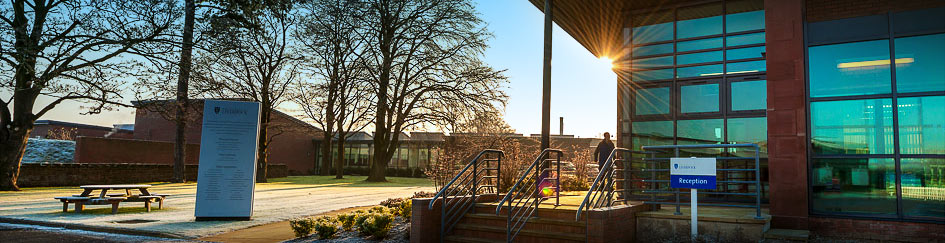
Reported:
(68, 50)
(254, 63)
(425, 55)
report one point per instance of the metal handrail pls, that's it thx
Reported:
(607, 172)
(676, 148)
(458, 198)
(529, 202)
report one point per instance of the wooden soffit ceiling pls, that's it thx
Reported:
(596, 24)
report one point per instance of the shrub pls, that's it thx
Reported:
(376, 225)
(379, 209)
(302, 226)
(392, 202)
(403, 210)
(326, 227)
(347, 220)
(423, 195)
(573, 183)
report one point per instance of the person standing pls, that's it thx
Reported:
(603, 150)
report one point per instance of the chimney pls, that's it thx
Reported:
(561, 125)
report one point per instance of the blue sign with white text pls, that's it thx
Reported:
(694, 173)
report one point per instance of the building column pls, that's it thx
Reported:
(546, 80)
(787, 114)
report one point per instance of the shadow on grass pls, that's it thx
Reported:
(107, 210)
(351, 181)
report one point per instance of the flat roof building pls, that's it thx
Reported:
(845, 98)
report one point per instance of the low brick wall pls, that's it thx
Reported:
(613, 224)
(93, 150)
(38, 175)
(877, 230)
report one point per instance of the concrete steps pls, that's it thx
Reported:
(550, 225)
(786, 235)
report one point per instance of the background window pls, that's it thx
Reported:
(852, 127)
(748, 130)
(861, 186)
(699, 98)
(749, 95)
(920, 63)
(652, 101)
(922, 125)
(706, 131)
(921, 178)
(858, 68)
(699, 20)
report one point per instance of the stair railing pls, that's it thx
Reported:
(601, 192)
(460, 194)
(525, 196)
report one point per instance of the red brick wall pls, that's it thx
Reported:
(877, 230)
(37, 175)
(821, 10)
(109, 150)
(787, 115)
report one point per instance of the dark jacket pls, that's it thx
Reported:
(604, 148)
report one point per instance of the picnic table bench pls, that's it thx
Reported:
(114, 199)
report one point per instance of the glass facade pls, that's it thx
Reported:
(360, 154)
(877, 125)
(697, 76)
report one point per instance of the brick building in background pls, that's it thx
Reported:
(846, 98)
(58, 129)
(293, 140)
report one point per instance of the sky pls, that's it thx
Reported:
(583, 88)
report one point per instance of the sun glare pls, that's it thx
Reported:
(606, 62)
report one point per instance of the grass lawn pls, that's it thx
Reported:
(352, 181)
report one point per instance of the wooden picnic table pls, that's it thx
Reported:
(103, 198)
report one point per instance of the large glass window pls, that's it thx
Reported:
(652, 101)
(699, 98)
(700, 44)
(652, 133)
(699, 71)
(920, 63)
(859, 68)
(854, 186)
(852, 127)
(877, 121)
(749, 95)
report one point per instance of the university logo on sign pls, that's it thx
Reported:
(694, 173)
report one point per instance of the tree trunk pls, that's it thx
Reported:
(325, 166)
(183, 78)
(262, 157)
(340, 163)
(11, 152)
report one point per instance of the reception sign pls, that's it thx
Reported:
(695, 173)
(227, 173)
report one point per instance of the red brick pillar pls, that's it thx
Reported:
(787, 113)
(424, 222)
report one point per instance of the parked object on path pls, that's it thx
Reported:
(114, 199)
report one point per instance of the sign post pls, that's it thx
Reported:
(693, 173)
(226, 177)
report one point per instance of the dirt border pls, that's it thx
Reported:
(112, 230)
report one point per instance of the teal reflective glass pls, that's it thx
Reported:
(652, 133)
(651, 75)
(699, 44)
(754, 20)
(652, 33)
(749, 95)
(746, 39)
(744, 53)
(697, 71)
(652, 50)
(699, 27)
(920, 63)
(923, 182)
(922, 125)
(852, 127)
(652, 62)
(702, 57)
(708, 131)
(747, 67)
(699, 98)
(748, 130)
(859, 68)
(652, 101)
(856, 186)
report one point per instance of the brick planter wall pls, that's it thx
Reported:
(39, 175)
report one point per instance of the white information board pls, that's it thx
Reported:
(226, 175)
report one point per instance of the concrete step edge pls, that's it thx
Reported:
(787, 234)
(465, 239)
(537, 220)
(524, 232)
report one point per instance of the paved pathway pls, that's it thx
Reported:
(274, 202)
